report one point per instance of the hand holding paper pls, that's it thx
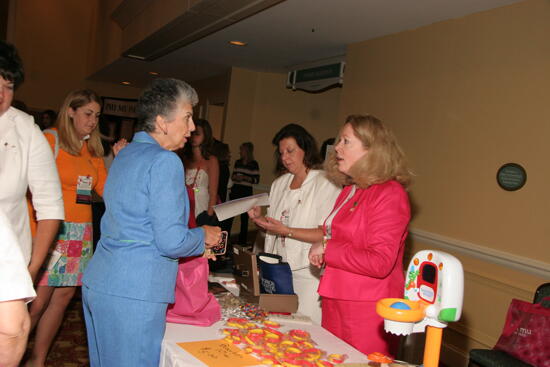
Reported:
(239, 206)
(273, 226)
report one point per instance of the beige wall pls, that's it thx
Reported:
(239, 109)
(464, 97)
(260, 104)
(105, 37)
(56, 48)
(213, 94)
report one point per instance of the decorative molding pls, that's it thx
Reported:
(478, 335)
(506, 288)
(474, 334)
(521, 263)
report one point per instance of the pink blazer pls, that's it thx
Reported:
(364, 257)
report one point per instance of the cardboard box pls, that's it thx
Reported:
(247, 277)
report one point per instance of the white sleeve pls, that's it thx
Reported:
(44, 182)
(15, 280)
(329, 193)
(273, 197)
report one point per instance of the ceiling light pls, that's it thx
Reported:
(237, 43)
(154, 73)
(135, 57)
(126, 83)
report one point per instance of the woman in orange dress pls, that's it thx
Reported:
(77, 147)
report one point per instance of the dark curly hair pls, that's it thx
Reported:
(11, 66)
(305, 141)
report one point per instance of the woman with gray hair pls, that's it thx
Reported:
(131, 278)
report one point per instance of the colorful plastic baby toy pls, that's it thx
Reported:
(434, 293)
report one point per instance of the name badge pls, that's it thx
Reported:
(84, 190)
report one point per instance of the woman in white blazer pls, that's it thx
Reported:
(15, 291)
(299, 201)
(26, 162)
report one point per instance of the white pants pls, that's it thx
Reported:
(306, 282)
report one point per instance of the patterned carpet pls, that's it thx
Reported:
(70, 348)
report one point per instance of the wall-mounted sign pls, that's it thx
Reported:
(316, 79)
(119, 107)
(511, 177)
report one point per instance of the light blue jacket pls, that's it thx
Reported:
(144, 228)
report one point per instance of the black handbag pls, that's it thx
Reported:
(208, 220)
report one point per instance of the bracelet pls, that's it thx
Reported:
(289, 235)
(325, 241)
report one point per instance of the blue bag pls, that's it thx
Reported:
(275, 275)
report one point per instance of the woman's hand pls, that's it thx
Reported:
(275, 226)
(316, 254)
(117, 147)
(255, 212)
(212, 236)
(209, 255)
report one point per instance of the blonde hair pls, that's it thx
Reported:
(383, 162)
(68, 138)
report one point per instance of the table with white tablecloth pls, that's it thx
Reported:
(173, 355)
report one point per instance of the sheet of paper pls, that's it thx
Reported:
(219, 353)
(239, 206)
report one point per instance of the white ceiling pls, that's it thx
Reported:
(294, 32)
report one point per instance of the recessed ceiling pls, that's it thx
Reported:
(291, 33)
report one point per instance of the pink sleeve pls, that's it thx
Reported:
(382, 228)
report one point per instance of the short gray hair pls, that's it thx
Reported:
(160, 98)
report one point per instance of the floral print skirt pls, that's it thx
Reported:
(64, 265)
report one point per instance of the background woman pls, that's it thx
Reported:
(47, 119)
(246, 173)
(299, 201)
(131, 279)
(202, 172)
(26, 163)
(79, 157)
(365, 234)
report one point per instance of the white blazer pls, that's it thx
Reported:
(15, 280)
(306, 207)
(27, 162)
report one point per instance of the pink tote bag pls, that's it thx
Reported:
(193, 305)
(526, 333)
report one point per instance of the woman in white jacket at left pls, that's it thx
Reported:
(26, 162)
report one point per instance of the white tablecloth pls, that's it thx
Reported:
(174, 356)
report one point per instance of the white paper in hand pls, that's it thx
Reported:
(239, 206)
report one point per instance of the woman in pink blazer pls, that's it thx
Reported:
(364, 235)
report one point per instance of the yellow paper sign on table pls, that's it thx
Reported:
(219, 353)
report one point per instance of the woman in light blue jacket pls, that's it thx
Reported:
(131, 278)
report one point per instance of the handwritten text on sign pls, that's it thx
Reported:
(219, 353)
